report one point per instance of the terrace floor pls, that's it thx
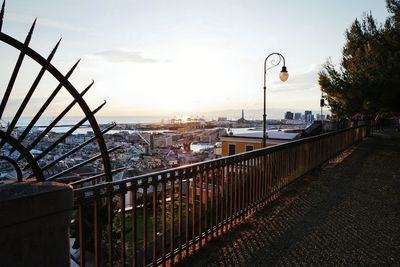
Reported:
(347, 213)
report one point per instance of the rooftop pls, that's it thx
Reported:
(284, 134)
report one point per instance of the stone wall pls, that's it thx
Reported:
(35, 219)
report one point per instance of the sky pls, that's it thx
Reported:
(181, 58)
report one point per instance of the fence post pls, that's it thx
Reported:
(35, 219)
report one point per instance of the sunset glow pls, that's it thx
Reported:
(156, 58)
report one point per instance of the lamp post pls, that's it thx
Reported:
(322, 104)
(284, 75)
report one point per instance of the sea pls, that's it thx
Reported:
(66, 123)
(70, 120)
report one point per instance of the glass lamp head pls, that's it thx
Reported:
(284, 75)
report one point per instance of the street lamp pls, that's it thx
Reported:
(283, 75)
(322, 104)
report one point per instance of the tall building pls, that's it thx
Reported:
(308, 117)
(242, 119)
(289, 115)
(297, 116)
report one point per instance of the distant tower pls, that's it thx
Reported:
(242, 120)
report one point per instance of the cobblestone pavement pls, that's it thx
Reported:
(344, 214)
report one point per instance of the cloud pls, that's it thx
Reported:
(299, 82)
(119, 55)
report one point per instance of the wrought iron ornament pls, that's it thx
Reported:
(16, 149)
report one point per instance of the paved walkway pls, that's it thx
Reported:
(345, 214)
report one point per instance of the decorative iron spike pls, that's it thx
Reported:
(89, 179)
(73, 68)
(69, 132)
(57, 119)
(45, 105)
(53, 52)
(2, 14)
(29, 94)
(81, 164)
(29, 36)
(15, 71)
(76, 148)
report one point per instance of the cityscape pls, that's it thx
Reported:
(199, 133)
(150, 147)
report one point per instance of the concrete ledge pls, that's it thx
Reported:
(34, 224)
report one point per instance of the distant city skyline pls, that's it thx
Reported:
(183, 58)
(275, 114)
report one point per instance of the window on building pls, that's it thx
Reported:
(249, 148)
(232, 149)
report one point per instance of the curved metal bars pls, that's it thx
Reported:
(15, 165)
(26, 154)
(29, 94)
(65, 135)
(273, 63)
(15, 72)
(76, 148)
(2, 14)
(80, 165)
(71, 89)
(57, 119)
(45, 105)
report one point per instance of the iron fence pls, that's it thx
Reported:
(159, 218)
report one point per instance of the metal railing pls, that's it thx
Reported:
(159, 218)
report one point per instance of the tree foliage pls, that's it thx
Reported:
(367, 81)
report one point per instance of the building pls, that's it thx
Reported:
(308, 117)
(161, 140)
(211, 135)
(75, 139)
(218, 150)
(289, 115)
(297, 116)
(239, 143)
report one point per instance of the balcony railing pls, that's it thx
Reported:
(159, 218)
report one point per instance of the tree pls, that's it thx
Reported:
(367, 80)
